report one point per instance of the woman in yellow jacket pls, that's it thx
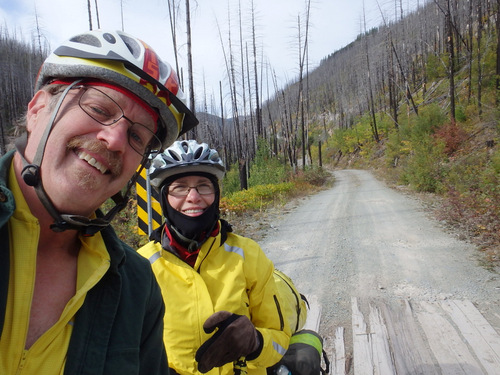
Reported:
(223, 312)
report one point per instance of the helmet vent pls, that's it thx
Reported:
(87, 39)
(173, 155)
(132, 45)
(198, 152)
(164, 70)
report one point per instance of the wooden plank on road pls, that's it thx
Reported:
(481, 336)
(363, 361)
(447, 337)
(381, 353)
(411, 353)
(372, 354)
(450, 351)
(338, 362)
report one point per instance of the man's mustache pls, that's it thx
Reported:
(111, 158)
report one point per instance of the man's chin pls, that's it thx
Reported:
(88, 181)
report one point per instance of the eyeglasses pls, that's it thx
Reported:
(183, 190)
(106, 111)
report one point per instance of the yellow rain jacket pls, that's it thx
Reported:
(233, 275)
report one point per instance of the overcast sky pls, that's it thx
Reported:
(333, 25)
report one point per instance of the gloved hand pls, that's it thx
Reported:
(236, 337)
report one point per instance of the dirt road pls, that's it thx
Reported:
(361, 248)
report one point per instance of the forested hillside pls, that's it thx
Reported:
(19, 63)
(416, 98)
(446, 53)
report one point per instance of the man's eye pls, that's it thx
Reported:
(98, 111)
(136, 138)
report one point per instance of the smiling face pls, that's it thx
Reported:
(84, 162)
(193, 204)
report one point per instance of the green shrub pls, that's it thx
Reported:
(266, 169)
(231, 181)
(430, 118)
(435, 67)
(460, 114)
(495, 162)
(424, 169)
(394, 148)
(256, 198)
(490, 177)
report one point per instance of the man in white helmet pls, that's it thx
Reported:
(74, 299)
(223, 310)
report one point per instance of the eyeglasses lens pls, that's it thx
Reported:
(106, 111)
(183, 190)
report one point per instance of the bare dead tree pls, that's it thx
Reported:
(246, 143)
(479, 57)
(97, 15)
(451, 57)
(408, 93)
(226, 157)
(253, 133)
(89, 9)
(38, 31)
(302, 49)
(231, 74)
(190, 66)
(258, 110)
(470, 42)
(373, 121)
(497, 100)
(289, 146)
(121, 15)
(393, 102)
(300, 106)
(19, 62)
(272, 122)
(173, 8)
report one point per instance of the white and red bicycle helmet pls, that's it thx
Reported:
(185, 157)
(121, 59)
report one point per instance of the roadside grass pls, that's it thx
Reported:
(259, 197)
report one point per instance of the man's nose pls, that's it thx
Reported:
(115, 135)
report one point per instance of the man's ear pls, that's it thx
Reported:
(35, 107)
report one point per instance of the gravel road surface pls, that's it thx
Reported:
(363, 239)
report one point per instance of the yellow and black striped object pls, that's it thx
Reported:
(148, 206)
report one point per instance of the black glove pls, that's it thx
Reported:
(236, 337)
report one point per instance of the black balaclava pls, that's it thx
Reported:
(191, 231)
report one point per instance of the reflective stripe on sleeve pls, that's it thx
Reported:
(153, 258)
(234, 249)
(281, 350)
